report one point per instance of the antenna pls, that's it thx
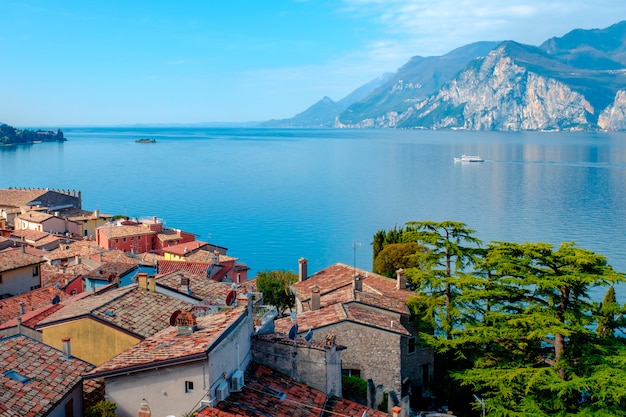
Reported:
(355, 244)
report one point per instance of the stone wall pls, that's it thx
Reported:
(313, 363)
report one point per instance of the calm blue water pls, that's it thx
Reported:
(272, 196)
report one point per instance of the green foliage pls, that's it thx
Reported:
(102, 409)
(395, 256)
(384, 404)
(450, 251)
(530, 342)
(383, 238)
(515, 324)
(354, 387)
(275, 286)
(11, 136)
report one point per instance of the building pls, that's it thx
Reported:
(12, 201)
(106, 322)
(136, 236)
(368, 314)
(19, 272)
(193, 360)
(38, 380)
(46, 222)
(88, 221)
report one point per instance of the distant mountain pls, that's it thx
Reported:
(324, 112)
(573, 82)
(412, 83)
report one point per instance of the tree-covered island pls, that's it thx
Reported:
(12, 136)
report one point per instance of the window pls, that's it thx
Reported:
(412, 344)
(351, 372)
(123, 239)
(188, 386)
(132, 238)
(35, 270)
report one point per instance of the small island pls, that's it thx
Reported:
(11, 136)
(145, 140)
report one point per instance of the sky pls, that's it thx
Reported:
(93, 63)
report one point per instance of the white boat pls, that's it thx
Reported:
(469, 158)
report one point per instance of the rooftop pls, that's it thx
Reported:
(341, 275)
(33, 300)
(336, 313)
(42, 376)
(267, 392)
(167, 345)
(136, 310)
(11, 259)
(200, 286)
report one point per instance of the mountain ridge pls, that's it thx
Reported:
(573, 82)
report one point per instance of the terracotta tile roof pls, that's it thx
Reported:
(81, 248)
(267, 392)
(167, 267)
(111, 270)
(340, 275)
(18, 198)
(135, 310)
(35, 216)
(185, 248)
(31, 319)
(169, 234)
(202, 288)
(53, 276)
(337, 313)
(50, 376)
(14, 258)
(113, 232)
(348, 294)
(207, 256)
(29, 234)
(167, 345)
(33, 300)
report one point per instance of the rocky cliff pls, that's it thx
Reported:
(576, 82)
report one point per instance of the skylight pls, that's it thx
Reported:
(17, 376)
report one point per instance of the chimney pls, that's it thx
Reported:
(395, 411)
(67, 352)
(302, 269)
(401, 279)
(151, 283)
(77, 260)
(357, 283)
(315, 298)
(142, 280)
(184, 285)
(21, 308)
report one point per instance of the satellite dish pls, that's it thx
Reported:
(56, 299)
(173, 317)
(309, 335)
(293, 332)
(231, 297)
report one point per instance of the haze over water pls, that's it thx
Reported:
(272, 196)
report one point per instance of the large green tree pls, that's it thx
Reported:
(445, 267)
(275, 286)
(397, 256)
(532, 341)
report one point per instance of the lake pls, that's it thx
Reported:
(272, 196)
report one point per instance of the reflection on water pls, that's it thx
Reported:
(272, 196)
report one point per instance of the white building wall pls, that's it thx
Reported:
(165, 389)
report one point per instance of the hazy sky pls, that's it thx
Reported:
(83, 62)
